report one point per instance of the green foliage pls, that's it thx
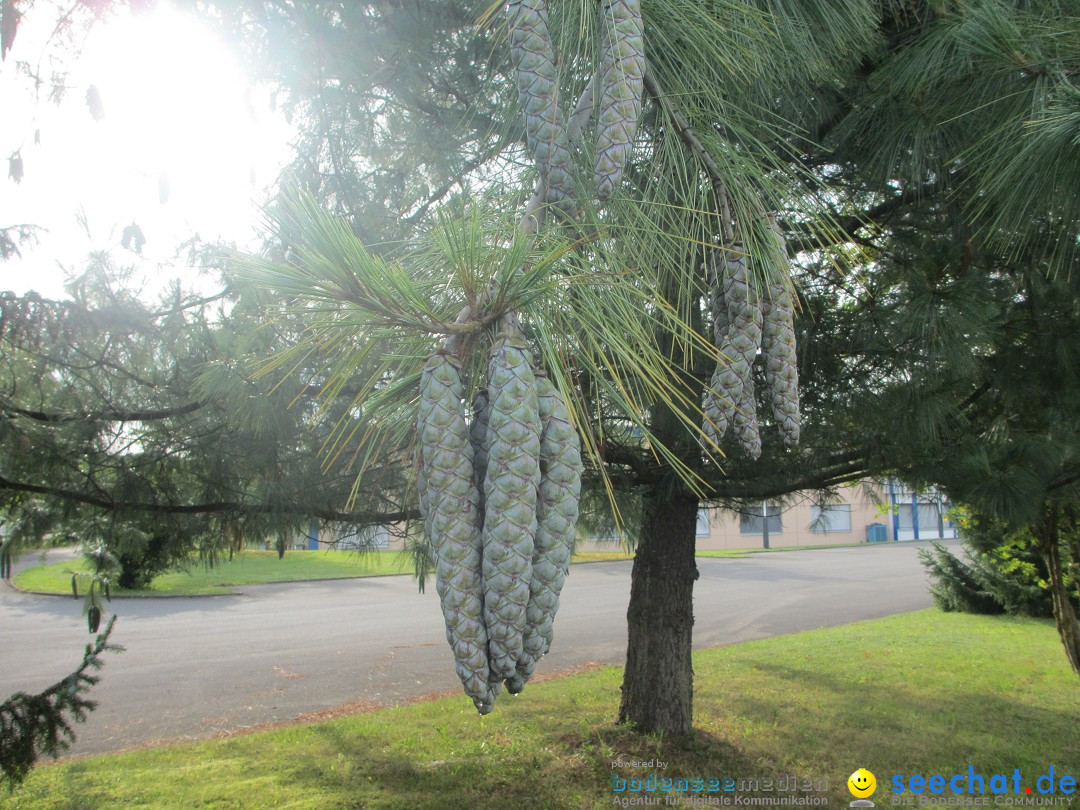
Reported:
(957, 586)
(134, 426)
(41, 724)
(864, 126)
(1003, 571)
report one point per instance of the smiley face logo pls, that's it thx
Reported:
(862, 783)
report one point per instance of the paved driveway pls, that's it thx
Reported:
(196, 666)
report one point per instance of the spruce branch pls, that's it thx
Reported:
(33, 725)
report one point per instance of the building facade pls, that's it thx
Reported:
(860, 513)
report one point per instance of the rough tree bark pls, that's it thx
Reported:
(658, 681)
(1048, 541)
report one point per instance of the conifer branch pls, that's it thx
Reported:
(33, 725)
(210, 507)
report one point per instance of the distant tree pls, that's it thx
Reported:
(139, 427)
(998, 572)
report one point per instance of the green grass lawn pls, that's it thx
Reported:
(253, 568)
(920, 693)
(742, 552)
(246, 568)
(260, 567)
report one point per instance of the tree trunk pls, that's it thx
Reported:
(658, 681)
(1047, 538)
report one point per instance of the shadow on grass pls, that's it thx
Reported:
(573, 770)
(912, 728)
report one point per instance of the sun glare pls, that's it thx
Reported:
(177, 140)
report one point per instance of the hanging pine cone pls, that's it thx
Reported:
(556, 514)
(744, 338)
(730, 396)
(781, 371)
(510, 491)
(747, 430)
(716, 408)
(452, 517)
(623, 73)
(781, 361)
(533, 56)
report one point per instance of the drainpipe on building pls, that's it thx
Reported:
(765, 524)
(895, 512)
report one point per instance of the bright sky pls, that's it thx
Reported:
(176, 105)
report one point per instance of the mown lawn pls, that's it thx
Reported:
(742, 552)
(249, 567)
(253, 568)
(920, 693)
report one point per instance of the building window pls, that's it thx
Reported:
(929, 517)
(903, 515)
(703, 528)
(367, 537)
(830, 518)
(750, 519)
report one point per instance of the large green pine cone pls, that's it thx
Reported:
(510, 490)
(725, 389)
(743, 307)
(730, 397)
(746, 425)
(744, 338)
(623, 73)
(557, 514)
(778, 347)
(781, 363)
(716, 404)
(452, 519)
(533, 56)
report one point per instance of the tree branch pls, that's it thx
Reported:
(12, 411)
(847, 228)
(213, 507)
(840, 469)
(821, 479)
(693, 143)
(41, 724)
(446, 187)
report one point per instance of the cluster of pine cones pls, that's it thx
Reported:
(619, 82)
(743, 322)
(499, 497)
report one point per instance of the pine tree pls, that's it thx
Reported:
(861, 127)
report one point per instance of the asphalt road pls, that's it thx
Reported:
(197, 666)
